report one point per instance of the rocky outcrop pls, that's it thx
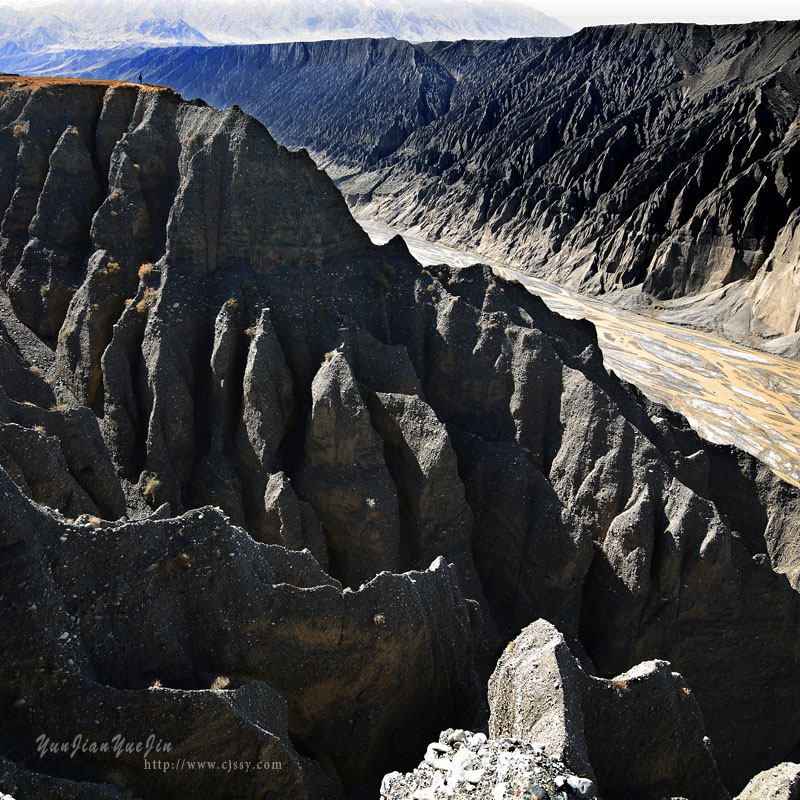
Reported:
(639, 735)
(779, 783)
(464, 765)
(202, 599)
(344, 473)
(241, 391)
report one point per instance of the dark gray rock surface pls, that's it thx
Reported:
(233, 373)
(306, 92)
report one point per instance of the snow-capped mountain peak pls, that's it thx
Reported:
(110, 24)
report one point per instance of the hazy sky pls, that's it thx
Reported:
(580, 13)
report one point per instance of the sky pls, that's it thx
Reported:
(581, 13)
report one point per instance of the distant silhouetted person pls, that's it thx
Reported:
(140, 78)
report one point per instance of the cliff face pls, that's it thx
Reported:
(350, 102)
(650, 158)
(238, 439)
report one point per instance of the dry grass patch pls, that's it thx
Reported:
(148, 298)
(150, 485)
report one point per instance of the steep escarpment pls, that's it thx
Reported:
(656, 159)
(305, 91)
(239, 440)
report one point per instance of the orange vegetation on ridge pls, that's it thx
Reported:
(8, 81)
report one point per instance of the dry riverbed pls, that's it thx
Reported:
(730, 394)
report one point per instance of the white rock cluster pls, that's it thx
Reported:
(468, 766)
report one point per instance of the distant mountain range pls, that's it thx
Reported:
(109, 24)
(653, 164)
